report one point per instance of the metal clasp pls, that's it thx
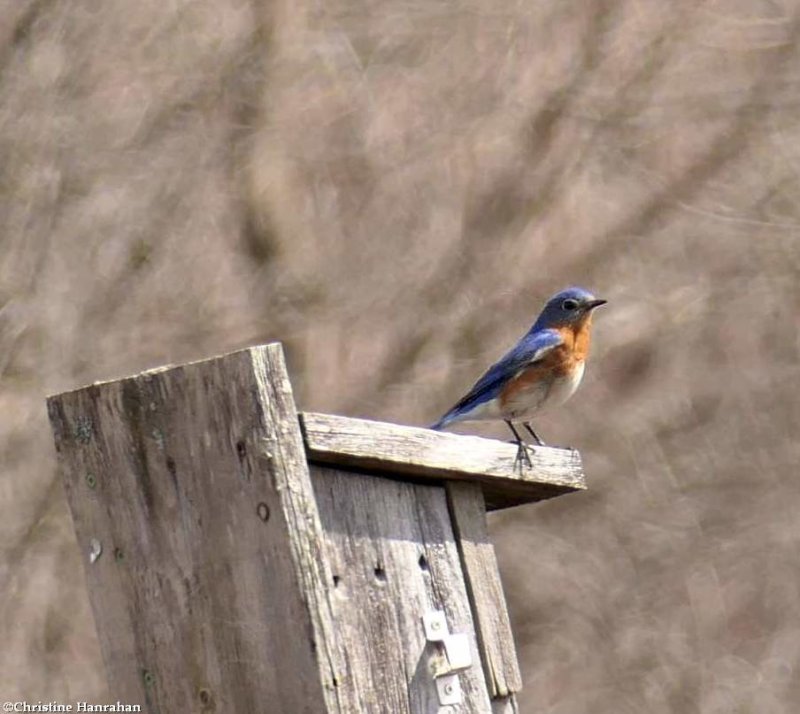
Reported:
(458, 658)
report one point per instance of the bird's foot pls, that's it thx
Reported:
(523, 457)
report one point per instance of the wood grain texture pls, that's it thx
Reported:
(210, 592)
(425, 454)
(482, 577)
(394, 557)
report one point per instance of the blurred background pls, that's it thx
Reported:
(392, 189)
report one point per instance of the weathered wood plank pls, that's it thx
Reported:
(482, 577)
(426, 454)
(393, 558)
(210, 592)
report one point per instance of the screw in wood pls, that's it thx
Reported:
(205, 697)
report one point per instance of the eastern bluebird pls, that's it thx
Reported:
(542, 370)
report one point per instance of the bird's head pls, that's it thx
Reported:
(567, 308)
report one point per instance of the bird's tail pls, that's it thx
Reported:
(442, 423)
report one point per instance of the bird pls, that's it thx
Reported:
(541, 371)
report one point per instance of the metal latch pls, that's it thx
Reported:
(457, 653)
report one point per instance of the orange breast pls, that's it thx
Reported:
(579, 338)
(533, 384)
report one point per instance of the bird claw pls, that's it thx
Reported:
(523, 457)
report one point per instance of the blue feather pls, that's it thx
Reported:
(530, 348)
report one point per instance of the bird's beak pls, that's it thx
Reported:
(592, 304)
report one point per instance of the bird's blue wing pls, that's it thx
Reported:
(531, 348)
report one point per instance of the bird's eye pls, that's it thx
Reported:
(570, 304)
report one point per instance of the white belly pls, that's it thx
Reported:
(542, 395)
(563, 389)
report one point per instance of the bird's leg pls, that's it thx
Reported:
(528, 426)
(522, 449)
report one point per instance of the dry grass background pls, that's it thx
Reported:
(392, 188)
